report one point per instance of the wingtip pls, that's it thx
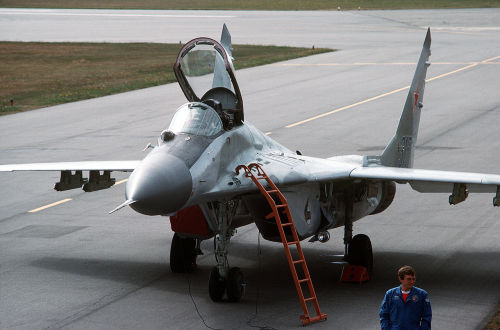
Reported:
(126, 203)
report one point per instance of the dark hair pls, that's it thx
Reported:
(406, 270)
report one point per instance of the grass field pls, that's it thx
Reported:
(251, 5)
(37, 75)
(494, 324)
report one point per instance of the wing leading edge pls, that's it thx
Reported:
(431, 181)
(121, 165)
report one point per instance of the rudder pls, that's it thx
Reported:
(400, 151)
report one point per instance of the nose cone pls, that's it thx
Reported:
(161, 184)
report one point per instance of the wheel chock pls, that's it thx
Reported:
(354, 273)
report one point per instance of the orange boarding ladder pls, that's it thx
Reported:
(283, 206)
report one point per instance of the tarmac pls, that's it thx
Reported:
(73, 266)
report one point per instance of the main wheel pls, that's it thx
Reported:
(360, 252)
(182, 254)
(235, 284)
(216, 285)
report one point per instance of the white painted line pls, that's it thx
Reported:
(394, 63)
(490, 59)
(120, 182)
(50, 205)
(346, 107)
(386, 94)
(451, 72)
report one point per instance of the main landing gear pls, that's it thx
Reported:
(183, 253)
(360, 252)
(358, 249)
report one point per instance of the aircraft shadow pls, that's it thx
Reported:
(270, 270)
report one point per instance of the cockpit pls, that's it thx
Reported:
(205, 72)
(196, 118)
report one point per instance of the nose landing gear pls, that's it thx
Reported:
(234, 285)
(222, 278)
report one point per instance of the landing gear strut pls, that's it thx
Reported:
(183, 253)
(222, 278)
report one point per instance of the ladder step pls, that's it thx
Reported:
(310, 298)
(272, 191)
(304, 280)
(281, 206)
(294, 242)
(298, 261)
(286, 224)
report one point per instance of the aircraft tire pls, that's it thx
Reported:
(216, 285)
(182, 254)
(360, 252)
(235, 285)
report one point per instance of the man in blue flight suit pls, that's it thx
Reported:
(406, 307)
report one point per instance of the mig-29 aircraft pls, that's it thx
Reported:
(192, 176)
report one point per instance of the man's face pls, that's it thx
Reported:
(407, 282)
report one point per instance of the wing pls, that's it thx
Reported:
(289, 170)
(431, 181)
(121, 165)
(69, 180)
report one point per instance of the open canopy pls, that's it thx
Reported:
(205, 71)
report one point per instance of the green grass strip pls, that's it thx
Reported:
(36, 75)
(251, 5)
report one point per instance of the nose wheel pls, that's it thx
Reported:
(233, 286)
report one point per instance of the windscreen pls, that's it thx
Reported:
(196, 118)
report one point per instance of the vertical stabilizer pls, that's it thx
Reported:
(225, 40)
(401, 149)
(221, 78)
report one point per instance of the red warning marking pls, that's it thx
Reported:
(415, 96)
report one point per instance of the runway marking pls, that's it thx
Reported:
(491, 59)
(120, 182)
(47, 13)
(66, 200)
(50, 205)
(393, 63)
(451, 72)
(346, 107)
(388, 93)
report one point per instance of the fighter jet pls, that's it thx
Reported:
(199, 172)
